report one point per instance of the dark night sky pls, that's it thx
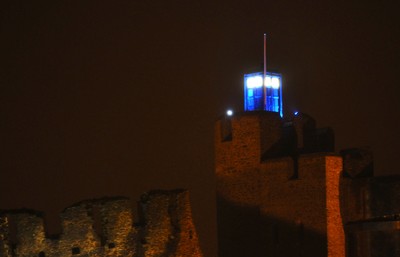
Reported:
(118, 97)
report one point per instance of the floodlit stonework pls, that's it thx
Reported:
(105, 227)
(282, 191)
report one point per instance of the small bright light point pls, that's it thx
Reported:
(296, 113)
(229, 112)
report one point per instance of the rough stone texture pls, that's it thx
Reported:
(78, 237)
(252, 135)
(169, 228)
(372, 215)
(304, 211)
(335, 233)
(104, 228)
(272, 199)
(30, 234)
(281, 193)
(117, 228)
(5, 245)
(237, 174)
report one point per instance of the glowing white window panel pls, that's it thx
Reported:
(254, 82)
(267, 81)
(275, 83)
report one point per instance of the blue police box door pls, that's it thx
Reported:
(254, 91)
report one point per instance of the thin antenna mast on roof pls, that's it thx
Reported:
(265, 71)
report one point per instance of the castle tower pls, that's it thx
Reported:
(277, 188)
(240, 141)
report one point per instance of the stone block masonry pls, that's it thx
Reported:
(277, 187)
(105, 228)
(282, 191)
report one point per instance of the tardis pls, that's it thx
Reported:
(259, 96)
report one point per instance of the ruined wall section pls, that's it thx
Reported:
(105, 228)
(30, 233)
(78, 237)
(169, 227)
(118, 229)
(5, 244)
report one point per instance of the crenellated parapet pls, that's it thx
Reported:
(282, 191)
(105, 228)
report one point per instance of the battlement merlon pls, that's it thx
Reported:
(242, 139)
(245, 139)
(281, 171)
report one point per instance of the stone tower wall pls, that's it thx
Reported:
(251, 136)
(372, 215)
(238, 155)
(305, 210)
(267, 202)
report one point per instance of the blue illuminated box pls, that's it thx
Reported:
(267, 98)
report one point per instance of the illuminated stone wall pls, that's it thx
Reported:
(282, 192)
(5, 244)
(277, 188)
(305, 210)
(237, 172)
(105, 227)
(169, 227)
